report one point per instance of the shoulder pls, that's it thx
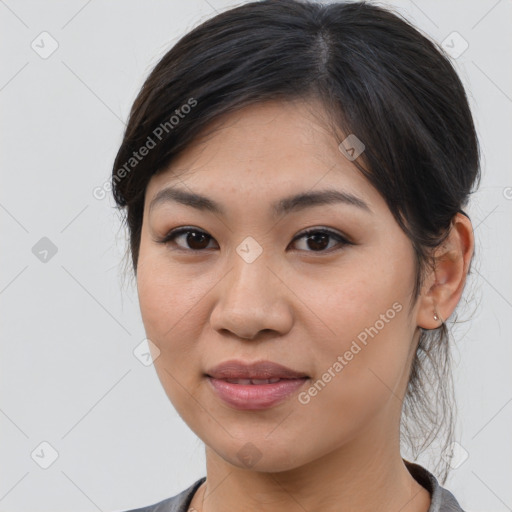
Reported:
(442, 500)
(178, 503)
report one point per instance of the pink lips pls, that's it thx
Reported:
(260, 395)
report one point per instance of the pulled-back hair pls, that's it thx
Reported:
(377, 77)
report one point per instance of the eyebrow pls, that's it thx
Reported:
(281, 207)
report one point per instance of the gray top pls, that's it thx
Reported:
(442, 500)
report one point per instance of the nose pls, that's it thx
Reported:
(252, 298)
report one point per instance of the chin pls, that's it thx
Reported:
(260, 455)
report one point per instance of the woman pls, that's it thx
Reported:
(294, 177)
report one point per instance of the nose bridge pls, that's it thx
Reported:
(251, 298)
(250, 284)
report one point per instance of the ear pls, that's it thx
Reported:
(444, 284)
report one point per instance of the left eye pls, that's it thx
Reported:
(316, 239)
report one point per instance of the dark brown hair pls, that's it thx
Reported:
(378, 78)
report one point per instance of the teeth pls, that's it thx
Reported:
(253, 381)
(264, 381)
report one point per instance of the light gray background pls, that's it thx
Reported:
(69, 325)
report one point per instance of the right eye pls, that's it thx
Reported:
(196, 239)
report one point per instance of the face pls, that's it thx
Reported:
(322, 286)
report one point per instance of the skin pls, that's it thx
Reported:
(295, 304)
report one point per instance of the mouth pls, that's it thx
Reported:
(254, 386)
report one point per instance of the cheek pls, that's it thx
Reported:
(360, 377)
(362, 364)
(169, 308)
(167, 299)
(358, 303)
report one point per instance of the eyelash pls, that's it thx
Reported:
(173, 234)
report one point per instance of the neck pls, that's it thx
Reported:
(365, 475)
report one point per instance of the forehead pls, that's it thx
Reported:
(260, 152)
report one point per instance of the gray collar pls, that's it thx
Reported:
(442, 500)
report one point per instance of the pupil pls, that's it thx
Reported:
(193, 238)
(314, 238)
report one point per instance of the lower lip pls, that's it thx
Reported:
(255, 396)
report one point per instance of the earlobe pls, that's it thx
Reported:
(444, 285)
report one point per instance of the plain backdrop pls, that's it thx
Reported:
(74, 395)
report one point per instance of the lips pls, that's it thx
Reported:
(261, 372)
(253, 386)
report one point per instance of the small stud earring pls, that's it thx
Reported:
(436, 317)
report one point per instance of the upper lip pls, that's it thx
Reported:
(234, 369)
